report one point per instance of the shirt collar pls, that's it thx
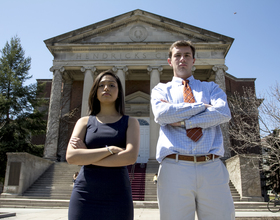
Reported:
(179, 81)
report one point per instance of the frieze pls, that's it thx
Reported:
(112, 56)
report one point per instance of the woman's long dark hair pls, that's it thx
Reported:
(94, 103)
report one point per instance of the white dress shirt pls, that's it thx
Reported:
(173, 140)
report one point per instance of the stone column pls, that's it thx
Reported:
(88, 82)
(220, 80)
(220, 75)
(193, 69)
(154, 72)
(50, 149)
(64, 120)
(121, 72)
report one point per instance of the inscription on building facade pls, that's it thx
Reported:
(113, 56)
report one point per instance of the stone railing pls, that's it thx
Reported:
(245, 176)
(22, 171)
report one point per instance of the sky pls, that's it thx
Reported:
(254, 25)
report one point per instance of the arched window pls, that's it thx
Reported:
(143, 122)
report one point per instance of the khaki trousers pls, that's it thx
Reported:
(186, 187)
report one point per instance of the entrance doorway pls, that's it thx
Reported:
(144, 151)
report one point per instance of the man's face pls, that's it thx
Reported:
(182, 61)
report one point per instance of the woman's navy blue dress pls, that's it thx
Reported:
(102, 193)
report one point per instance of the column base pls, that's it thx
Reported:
(51, 158)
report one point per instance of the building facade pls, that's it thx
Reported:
(135, 46)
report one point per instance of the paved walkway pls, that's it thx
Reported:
(139, 214)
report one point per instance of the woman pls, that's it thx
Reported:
(105, 142)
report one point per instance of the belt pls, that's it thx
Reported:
(193, 158)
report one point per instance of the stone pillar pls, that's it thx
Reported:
(154, 72)
(244, 173)
(220, 75)
(50, 149)
(88, 82)
(193, 69)
(121, 72)
(63, 138)
(220, 80)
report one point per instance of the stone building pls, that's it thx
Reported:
(135, 46)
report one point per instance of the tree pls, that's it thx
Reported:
(271, 153)
(244, 127)
(20, 117)
(254, 128)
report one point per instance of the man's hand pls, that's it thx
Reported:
(162, 100)
(176, 124)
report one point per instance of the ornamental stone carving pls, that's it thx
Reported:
(193, 69)
(138, 33)
(123, 68)
(91, 68)
(158, 68)
(220, 75)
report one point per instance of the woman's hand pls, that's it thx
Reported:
(77, 143)
(115, 149)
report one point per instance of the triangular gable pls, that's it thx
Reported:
(137, 98)
(137, 26)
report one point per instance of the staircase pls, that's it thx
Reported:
(151, 188)
(235, 195)
(55, 183)
(137, 174)
(53, 189)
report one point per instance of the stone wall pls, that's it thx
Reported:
(245, 176)
(27, 170)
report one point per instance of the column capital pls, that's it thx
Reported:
(158, 68)
(217, 67)
(91, 68)
(193, 68)
(220, 75)
(123, 68)
(60, 68)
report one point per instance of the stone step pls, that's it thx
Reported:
(58, 192)
(56, 182)
(33, 203)
(63, 203)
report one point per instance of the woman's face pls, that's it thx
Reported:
(107, 89)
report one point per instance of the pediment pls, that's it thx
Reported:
(137, 98)
(137, 27)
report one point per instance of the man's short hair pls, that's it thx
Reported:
(181, 43)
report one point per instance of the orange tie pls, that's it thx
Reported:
(194, 133)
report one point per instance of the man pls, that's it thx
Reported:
(191, 176)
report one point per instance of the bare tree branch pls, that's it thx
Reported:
(254, 128)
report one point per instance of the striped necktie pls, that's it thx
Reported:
(194, 133)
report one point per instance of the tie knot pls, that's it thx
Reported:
(185, 82)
